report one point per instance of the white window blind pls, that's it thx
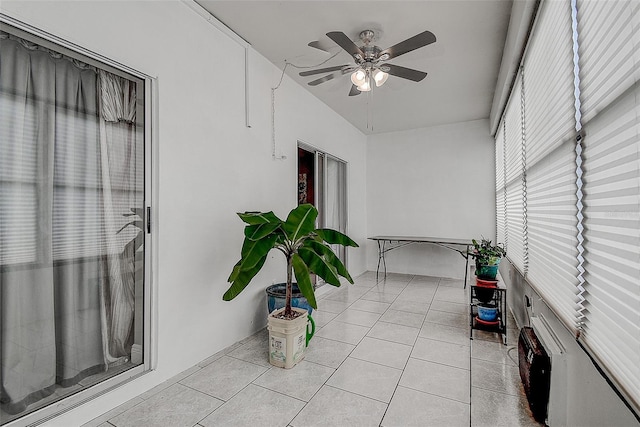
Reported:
(513, 179)
(609, 34)
(548, 82)
(609, 58)
(590, 64)
(551, 231)
(68, 179)
(500, 191)
(18, 189)
(611, 329)
(549, 117)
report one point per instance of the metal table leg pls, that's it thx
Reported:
(381, 251)
(466, 267)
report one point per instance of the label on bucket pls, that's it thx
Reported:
(299, 342)
(277, 348)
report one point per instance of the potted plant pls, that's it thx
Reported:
(487, 257)
(277, 293)
(306, 250)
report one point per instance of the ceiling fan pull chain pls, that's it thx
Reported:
(369, 118)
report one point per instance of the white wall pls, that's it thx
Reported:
(435, 182)
(209, 166)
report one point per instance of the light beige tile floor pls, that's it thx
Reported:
(399, 356)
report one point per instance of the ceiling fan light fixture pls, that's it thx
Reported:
(379, 77)
(359, 77)
(365, 87)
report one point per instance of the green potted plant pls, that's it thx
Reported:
(306, 250)
(487, 257)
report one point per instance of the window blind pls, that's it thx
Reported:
(580, 71)
(18, 189)
(551, 232)
(549, 118)
(500, 190)
(68, 179)
(609, 35)
(611, 329)
(548, 82)
(514, 196)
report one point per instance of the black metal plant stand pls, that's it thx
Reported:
(497, 296)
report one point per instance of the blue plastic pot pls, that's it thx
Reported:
(276, 295)
(487, 272)
(487, 312)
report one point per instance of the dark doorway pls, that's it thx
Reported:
(306, 177)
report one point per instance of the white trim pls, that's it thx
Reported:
(56, 409)
(520, 22)
(151, 264)
(72, 46)
(221, 26)
(247, 115)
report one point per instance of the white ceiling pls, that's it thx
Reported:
(462, 65)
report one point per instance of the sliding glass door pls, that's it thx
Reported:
(335, 206)
(72, 222)
(322, 181)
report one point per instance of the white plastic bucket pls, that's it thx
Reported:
(287, 338)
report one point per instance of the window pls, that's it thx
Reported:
(514, 184)
(573, 227)
(549, 117)
(609, 92)
(500, 189)
(73, 197)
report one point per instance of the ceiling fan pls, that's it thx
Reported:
(370, 67)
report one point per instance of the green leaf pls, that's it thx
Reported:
(300, 222)
(242, 279)
(254, 250)
(319, 265)
(334, 237)
(235, 271)
(259, 231)
(253, 218)
(331, 258)
(304, 281)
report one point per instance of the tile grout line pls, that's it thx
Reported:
(241, 343)
(395, 389)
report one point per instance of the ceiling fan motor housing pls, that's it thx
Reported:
(370, 52)
(367, 36)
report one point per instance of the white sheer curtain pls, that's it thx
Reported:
(119, 163)
(67, 178)
(336, 197)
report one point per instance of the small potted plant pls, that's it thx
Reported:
(487, 257)
(306, 250)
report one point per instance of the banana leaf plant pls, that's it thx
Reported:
(305, 248)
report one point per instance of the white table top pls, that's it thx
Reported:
(443, 240)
